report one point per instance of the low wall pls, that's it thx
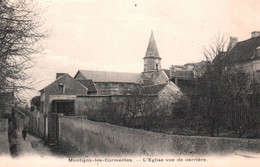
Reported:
(33, 123)
(4, 143)
(41, 125)
(94, 138)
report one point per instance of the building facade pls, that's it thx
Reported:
(246, 54)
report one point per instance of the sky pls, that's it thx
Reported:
(112, 35)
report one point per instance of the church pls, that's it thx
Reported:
(66, 94)
(87, 90)
(118, 83)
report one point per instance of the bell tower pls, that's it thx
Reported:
(152, 60)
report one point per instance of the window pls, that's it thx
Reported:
(60, 88)
(156, 66)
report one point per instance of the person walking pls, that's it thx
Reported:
(24, 133)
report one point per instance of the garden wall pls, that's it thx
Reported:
(94, 138)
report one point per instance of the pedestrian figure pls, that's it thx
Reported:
(24, 132)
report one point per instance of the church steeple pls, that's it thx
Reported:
(152, 60)
(152, 50)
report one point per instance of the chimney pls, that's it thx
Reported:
(232, 43)
(255, 34)
(59, 74)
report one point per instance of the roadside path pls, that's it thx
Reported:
(30, 146)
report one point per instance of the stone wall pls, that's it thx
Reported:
(36, 123)
(94, 138)
(4, 143)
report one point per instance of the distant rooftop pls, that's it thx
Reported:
(106, 76)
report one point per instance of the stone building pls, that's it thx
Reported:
(183, 75)
(110, 83)
(59, 96)
(246, 54)
(165, 94)
(75, 96)
(153, 73)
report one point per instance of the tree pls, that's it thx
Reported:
(222, 86)
(134, 110)
(19, 39)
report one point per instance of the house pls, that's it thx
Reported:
(246, 54)
(60, 95)
(184, 75)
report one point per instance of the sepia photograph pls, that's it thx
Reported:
(129, 83)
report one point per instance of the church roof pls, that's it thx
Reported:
(107, 76)
(167, 72)
(88, 83)
(152, 89)
(152, 51)
(154, 77)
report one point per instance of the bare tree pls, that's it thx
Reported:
(132, 110)
(222, 85)
(20, 33)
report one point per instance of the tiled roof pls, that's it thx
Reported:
(60, 77)
(244, 50)
(106, 76)
(183, 74)
(147, 80)
(167, 72)
(153, 89)
(88, 83)
(152, 51)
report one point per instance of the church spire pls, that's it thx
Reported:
(152, 60)
(152, 51)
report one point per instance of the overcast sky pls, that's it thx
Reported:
(112, 35)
